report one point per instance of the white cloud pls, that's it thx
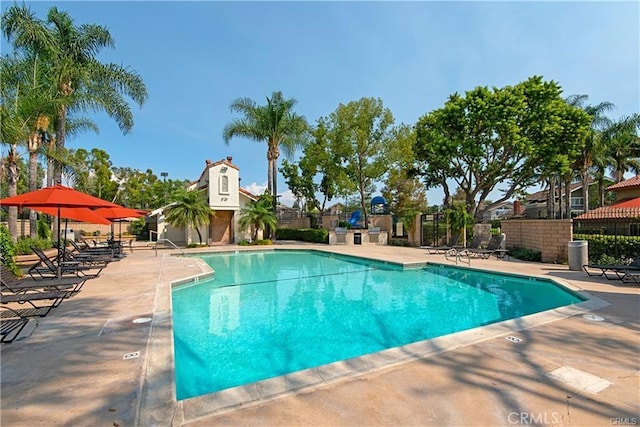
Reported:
(255, 188)
(286, 197)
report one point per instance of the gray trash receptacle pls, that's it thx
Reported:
(578, 254)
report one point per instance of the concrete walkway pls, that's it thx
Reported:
(89, 363)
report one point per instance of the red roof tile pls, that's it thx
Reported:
(631, 182)
(628, 203)
(610, 212)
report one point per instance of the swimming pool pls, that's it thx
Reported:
(269, 313)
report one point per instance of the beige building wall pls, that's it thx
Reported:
(551, 237)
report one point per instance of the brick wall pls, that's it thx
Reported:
(547, 236)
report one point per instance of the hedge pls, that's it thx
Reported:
(312, 235)
(628, 247)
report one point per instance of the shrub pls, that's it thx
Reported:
(318, 235)
(43, 229)
(400, 242)
(525, 254)
(243, 243)
(626, 247)
(23, 245)
(7, 250)
(264, 242)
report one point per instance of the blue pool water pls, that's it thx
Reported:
(269, 313)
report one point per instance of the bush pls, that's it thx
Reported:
(7, 250)
(318, 235)
(525, 254)
(264, 242)
(43, 229)
(626, 247)
(243, 243)
(23, 245)
(400, 242)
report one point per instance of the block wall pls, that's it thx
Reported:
(547, 236)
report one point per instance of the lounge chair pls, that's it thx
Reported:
(14, 284)
(494, 247)
(612, 268)
(476, 243)
(47, 268)
(56, 298)
(11, 324)
(453, 244)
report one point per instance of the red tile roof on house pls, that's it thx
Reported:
(609, 213)
(628, 203)
(628, 183)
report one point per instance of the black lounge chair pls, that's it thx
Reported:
(40, 310)
(14, 284)
(47, 268)
(11, 324)
(453, 244)
(494, 247)
(603, 269)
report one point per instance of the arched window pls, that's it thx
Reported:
(224, 184)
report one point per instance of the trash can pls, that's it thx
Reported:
(357, 238)
(578, 254)
(69, 234)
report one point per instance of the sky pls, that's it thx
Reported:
(197, 57)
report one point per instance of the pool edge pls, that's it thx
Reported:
(158, 399)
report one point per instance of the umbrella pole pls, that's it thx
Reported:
(59, 266)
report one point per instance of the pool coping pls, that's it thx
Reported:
(158, 403)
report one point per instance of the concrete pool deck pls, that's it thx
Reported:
(88, 363)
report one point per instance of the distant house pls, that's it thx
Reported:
(536, 204)
(221, 182)
(627, 189)
(622, 218)
(498, 211)
(337, 209)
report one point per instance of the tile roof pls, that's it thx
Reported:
(628, 183)
(610, 212)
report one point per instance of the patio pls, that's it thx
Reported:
(88, 363)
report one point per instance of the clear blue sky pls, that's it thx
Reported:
(196, 57)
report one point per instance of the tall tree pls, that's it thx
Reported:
(622, 145)
(403, 191)
(594, 144)
(69, 53)
(191, 209)
(274, 123)
(360, 135)
(502, 136)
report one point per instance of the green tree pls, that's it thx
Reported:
(257, 216)
(69, 55)
(508, 136)
(274, 123)
(315, 172)
(403, 191)
(190, 209)
(359, 136)
(594, 148)
(622, 145)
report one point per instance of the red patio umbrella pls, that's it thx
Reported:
(119, 213)
(76, 214)
(56, 196)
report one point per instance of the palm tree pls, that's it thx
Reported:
(623, 146)
(256, 216)
(190, 209)
(275, 123)
(594, 143)
(69, 53)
